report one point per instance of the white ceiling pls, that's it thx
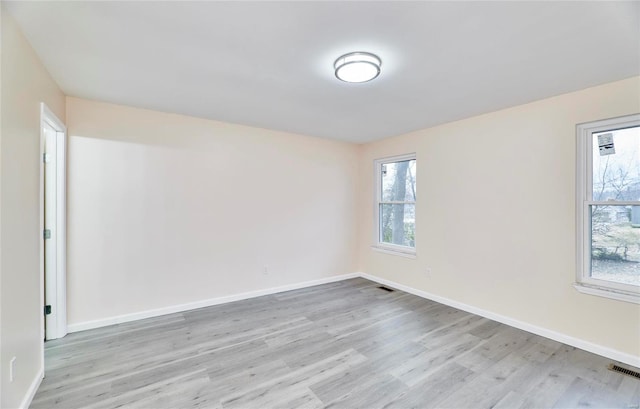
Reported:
(269, 64)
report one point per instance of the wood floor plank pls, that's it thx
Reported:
(373, 391)
(164, 387)
(295, 383)
(432, 390)
(346, 344)
(510, 400)
(582, 393)
(341, 384)
(414, 371)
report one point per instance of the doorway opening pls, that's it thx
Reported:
(53, 260)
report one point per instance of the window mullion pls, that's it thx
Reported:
(612, 202)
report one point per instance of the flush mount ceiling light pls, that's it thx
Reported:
(357, 67)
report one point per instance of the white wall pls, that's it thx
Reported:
(165, 209)
(25, 84)
(496, 215)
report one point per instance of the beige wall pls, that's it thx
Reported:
(165, 209)
(496, 215)
(25, 84)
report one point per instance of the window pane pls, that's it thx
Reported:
(615, 244)
(398, 224)
(616, 167)
(399, 181)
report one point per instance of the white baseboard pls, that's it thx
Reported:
(82, 326)
(31, 392)
(544, 332)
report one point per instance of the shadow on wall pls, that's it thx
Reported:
(165, 209)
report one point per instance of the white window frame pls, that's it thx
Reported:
(378, 245)
(584, 195)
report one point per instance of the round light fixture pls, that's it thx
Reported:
(357, 67)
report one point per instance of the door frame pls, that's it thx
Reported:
(59, 303)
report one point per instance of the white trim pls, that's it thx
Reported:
(60, 304)
(82, 326)
(41, 277)
(544, 332)
(610, 289)
(61, 258)
(584, 200)
(394, 252)
(607, 292)
(31, 392)
(51, 118)
(613, 202)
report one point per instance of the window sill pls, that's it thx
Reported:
(394, 252)
(607, 293)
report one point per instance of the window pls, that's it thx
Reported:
(608, 207)
(395, 214)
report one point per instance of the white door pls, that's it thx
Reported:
(53, 205)
(50, 231)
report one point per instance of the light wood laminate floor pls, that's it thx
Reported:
(341, 345)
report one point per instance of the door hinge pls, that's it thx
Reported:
(46, 234)
(47, 309)
(46, 158)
